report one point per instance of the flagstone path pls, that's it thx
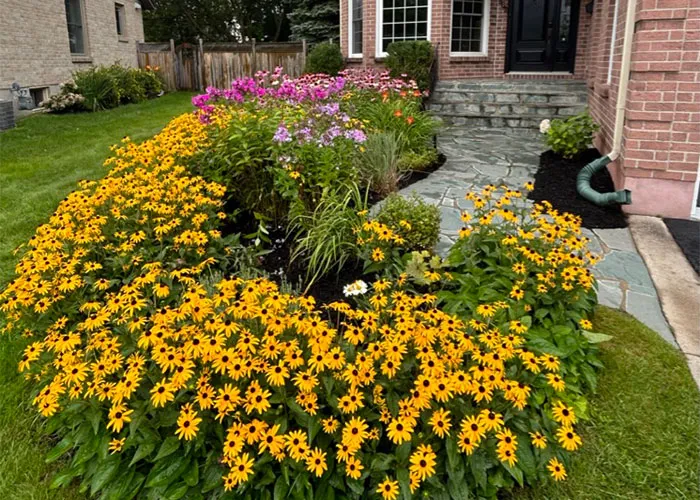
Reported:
(477, 157)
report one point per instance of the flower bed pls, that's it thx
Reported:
(164, 375)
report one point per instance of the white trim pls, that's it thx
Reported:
(612, 42)
(485, 20)
(379, 14)
(695, 209)
(351, 54)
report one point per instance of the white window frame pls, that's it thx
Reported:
(379, 10)
(484, 32)
(351, 54)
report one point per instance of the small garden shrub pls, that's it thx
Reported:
(325, 58)
(418, 161)
(164, 376)
(571, 136)
(63, 102)
(99, 86)
(413, 59)
(415, 220)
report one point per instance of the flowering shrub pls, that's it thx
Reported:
(571, 136)
(63, 102)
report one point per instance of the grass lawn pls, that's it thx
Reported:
(643, 441)
(40, 163)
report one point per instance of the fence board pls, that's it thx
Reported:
(220, 63)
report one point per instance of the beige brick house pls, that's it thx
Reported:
(43, 41)
(514, 62)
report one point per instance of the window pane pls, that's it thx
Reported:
(407, 20)
(356, 27)
(467, 16)
(74, 20)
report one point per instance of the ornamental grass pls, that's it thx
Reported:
(162, 376)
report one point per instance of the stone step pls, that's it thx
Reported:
(514, 103)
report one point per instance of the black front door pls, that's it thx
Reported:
(542, 35)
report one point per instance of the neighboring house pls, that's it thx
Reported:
(517, 41)
(43, 41)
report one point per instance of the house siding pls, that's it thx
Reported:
(34, 49)
(661, 138)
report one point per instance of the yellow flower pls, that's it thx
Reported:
(568, 439)
(353, 468)
(116, 445)
(388, 489)
(316, 462)
(539, 440)
(556, 469)
(585, 324)
(440, 422)
(377, 255)
(563, 414)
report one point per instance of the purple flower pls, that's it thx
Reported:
(282, 134)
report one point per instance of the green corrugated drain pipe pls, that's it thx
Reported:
(583, 186)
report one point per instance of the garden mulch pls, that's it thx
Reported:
(555, 181)
(687, 235)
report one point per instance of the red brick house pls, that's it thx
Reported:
(654, 66)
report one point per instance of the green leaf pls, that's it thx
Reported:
(381, 462)
(403, 451)
(169, 446)
(142, 451)
(212, 478)
(458, 490)
(87, 450)
(313, 428)
(453, 457)
(281, 489)
(176, 491)
(515, 472)
(105, 472)
(59, 450)
(167, 471)
(596, 338)
(191, 476)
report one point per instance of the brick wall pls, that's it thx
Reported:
(661, 140)
(454, 68)
(34, 49)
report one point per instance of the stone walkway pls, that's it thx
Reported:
(477, 157)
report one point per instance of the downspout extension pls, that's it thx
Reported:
(583, 186)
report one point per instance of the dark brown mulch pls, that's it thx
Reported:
(555, 181)
(687, 235)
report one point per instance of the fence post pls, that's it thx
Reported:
(200, 69)
(173, 65)
(303, 55)
(253, 58)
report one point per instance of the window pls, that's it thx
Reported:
(120, 14)
(355, 28)
(469, 27)
(400, 20)
(74, 19)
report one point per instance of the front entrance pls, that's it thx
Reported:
(542, 35)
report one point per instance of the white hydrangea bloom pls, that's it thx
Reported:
(544, 126)
(359, 287)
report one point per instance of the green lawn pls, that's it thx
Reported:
(643, 441)
(40, 163)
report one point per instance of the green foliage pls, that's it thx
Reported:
(571, 136)
(378, 165)
(418, 161)
(128, 84)
(324, 239)
(325, 58)
(411, 58)
(315, 20)
(421, 221)
(99, 87)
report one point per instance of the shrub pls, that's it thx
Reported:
(325, 58)
(415, 220)
(379, 163)
(413, 59)
(99, 87)
(151, 81)
(63, 102)
(130, 87)
(418, 161)
(571, 136)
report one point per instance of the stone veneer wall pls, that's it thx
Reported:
(661, 140)
(34, 49)
(455, 68)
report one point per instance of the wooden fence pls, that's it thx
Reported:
(197, 66)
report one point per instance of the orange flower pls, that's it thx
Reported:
(398, 113)
(410, 120)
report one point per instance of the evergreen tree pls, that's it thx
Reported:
(316, 20)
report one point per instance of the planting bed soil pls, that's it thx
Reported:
(687, 235)
(555, 181)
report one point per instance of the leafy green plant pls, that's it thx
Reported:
(417, 221)
(418, 161)
(130, 87)
(325, 58)
(571, 136)
(324, 239)
(378, 165)
(411, 58)
(99, 87)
